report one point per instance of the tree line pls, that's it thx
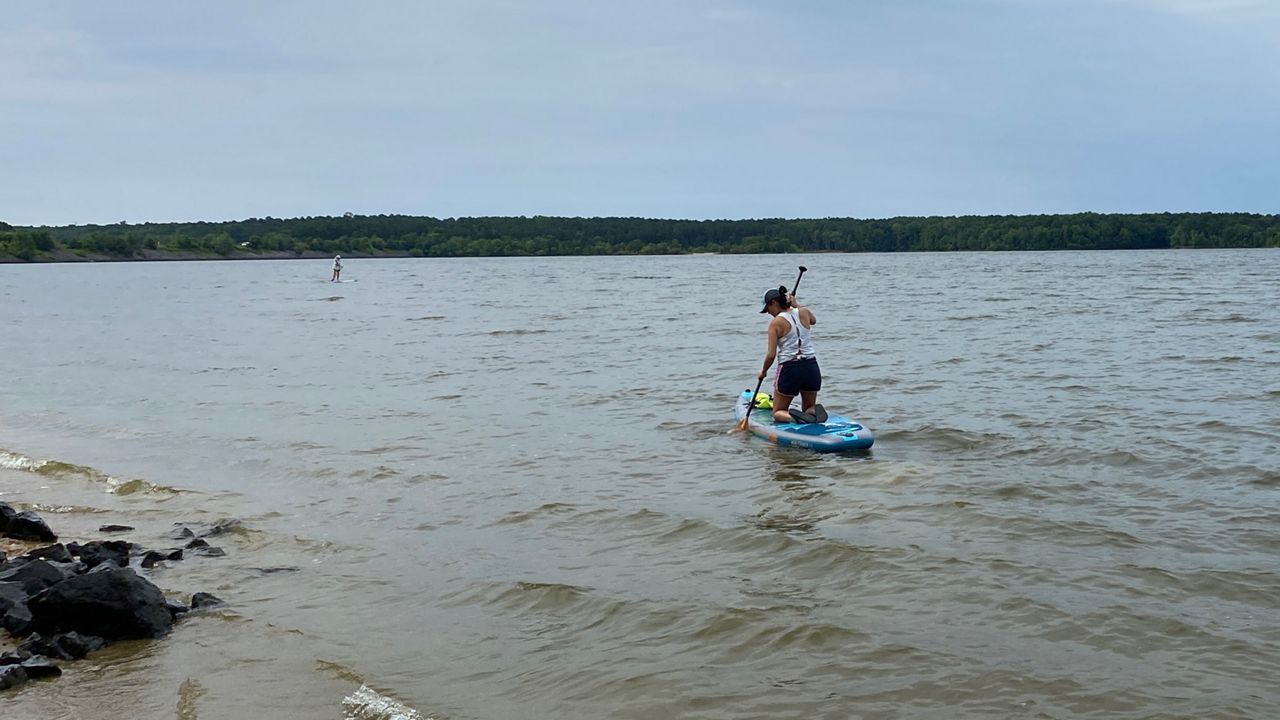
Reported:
(541, 235)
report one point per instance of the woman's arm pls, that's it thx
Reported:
(802, 309)
(772, 349)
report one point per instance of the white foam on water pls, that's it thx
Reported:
(14, 461)
(369, 704)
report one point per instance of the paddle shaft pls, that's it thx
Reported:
(751, 405)
(803, 270)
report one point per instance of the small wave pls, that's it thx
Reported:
(1120, 458)
(118, 486)
(14, 461)
(65, 509)
(385, 449)
(1215, 360)
(1256, 588)
(946, 437)
(519, 516)
(339, 671)
(381, 472)
(517, 331)
(1010, 492)
(235, 369)
(789, 522)
(542, 596)
(57, 468)
(426, 477)
(1269, 479)
(427, 317)
(368, 704)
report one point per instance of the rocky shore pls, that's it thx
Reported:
(59, 602)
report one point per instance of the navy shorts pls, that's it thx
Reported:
(798, 376)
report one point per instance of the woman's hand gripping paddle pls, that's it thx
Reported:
(751, 401)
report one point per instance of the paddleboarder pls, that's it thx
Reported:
(337, 268)
(798, 372)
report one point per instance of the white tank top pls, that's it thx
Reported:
(797, 344)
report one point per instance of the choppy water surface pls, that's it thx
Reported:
(503, 488)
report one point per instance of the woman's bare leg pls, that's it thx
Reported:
(780, 405)
(808, 398)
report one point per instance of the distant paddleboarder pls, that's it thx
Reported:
(337, 268)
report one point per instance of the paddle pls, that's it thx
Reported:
(752, 400)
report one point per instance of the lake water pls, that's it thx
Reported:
(504, 488)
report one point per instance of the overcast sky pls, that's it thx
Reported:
(159, 111)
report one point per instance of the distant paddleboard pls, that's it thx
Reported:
(836, 434)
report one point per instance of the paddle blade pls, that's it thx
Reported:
(746, 416)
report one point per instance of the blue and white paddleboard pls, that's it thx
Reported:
(836, 434)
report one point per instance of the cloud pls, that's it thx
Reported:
(714, 109)
(1229, 8)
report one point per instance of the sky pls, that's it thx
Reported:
(161, 111)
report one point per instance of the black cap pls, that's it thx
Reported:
(771, 295)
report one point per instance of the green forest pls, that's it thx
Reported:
(403, 235)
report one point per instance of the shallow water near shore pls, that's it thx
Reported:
(504, 488)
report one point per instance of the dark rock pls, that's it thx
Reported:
(64, 646)
(175, 608)
(222, 527)
(12, 593)
(14, 657)
(276, 569)
(219, 527)
(154, 556)
(205, 600)
(29, 526)
(33, 576)
(7, 514)
(40, 667)
(202, 547)
(104, 567)
(17, 620)
(112, 604)
(14, 615)
(115, 528)
(4, 558)
(38, 644)
(12, 676)
(57, 553)
(115, 552)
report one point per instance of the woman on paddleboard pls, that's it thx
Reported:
(798, 373)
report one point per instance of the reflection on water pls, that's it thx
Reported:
(516, 503)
